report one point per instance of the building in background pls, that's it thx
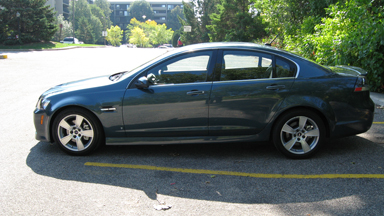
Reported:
(121, 17)
(62, 7)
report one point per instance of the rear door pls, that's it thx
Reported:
(247, 92)
(178, 104)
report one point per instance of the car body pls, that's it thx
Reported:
(71, 40)
(131, 46)
(165, 46)
(209, 93)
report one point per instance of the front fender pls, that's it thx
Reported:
(106, 106)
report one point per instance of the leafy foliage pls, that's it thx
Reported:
(352, 34)
(138, 37)
(235, 22)
(160, 35)
(114, 35)
(197, 15)
(36, 21)
(66, 30)
(140, 8)
(148, 33)
(172, 18)
(90, 20)
(104, 17)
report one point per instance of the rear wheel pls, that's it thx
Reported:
(77, 132)
(298, 134)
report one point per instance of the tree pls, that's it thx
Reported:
(155, 33)
(36, 21)
(172, 18)
(90, 20)
(66, 30)
(140, 8)
(286, 17)
(104, 5)
(351, 34)
(197, 15)
(85, 31)
(138, 37)
(160, 35)
(99, 14)
(235, 22)
(115, 35)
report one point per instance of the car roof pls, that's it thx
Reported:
(225, 45)
(231, 45)
(237, 45)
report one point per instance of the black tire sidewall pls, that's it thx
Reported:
(289, 115)
(97, 129)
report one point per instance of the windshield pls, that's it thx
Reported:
(149, 63)
(68, 39)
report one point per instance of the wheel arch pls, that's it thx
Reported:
(312, 109)
(61, 109)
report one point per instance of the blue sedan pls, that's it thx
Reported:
(207, 93)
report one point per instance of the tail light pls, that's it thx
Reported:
(361, 84)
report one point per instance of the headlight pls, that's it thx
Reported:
(42, 104)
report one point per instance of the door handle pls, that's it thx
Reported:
(195, 92)
(275, 87)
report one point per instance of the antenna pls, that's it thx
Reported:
(270, 43)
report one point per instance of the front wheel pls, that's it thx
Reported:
(298, 134)
(77, 132)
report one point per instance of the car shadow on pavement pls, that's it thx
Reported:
(353, 155)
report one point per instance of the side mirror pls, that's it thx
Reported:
(151, 78)
(145, 82)
(142, 83)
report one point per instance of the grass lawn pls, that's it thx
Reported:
(45, 45)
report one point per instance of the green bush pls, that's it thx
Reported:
(352, 34)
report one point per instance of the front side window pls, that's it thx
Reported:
(188, 68)
(243, 65)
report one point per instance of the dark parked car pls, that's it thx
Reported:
(206, 93)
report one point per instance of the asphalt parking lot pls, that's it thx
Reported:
(345, 178)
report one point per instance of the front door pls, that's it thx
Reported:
(177, 104)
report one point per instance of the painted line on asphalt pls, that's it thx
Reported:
(229, 173)
(378, 122)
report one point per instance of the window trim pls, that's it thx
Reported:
(219, 64)
(210, 68)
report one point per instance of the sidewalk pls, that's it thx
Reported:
(378, 98)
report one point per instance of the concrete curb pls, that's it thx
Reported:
(66, 48)
(378, 98)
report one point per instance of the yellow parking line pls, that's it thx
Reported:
(228, 173)
(378, 122)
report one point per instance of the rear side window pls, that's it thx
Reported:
(284, 68)
(243, 65)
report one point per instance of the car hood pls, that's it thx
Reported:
(79, 85)
(348, 70)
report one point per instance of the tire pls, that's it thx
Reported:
(77, 132)
(299, 134)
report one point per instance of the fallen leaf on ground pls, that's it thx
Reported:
(162, 207)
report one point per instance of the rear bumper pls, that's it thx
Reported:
(362, 123)
(351, 128)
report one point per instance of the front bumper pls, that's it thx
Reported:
(41, 121)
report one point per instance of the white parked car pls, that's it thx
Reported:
(71, 40)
